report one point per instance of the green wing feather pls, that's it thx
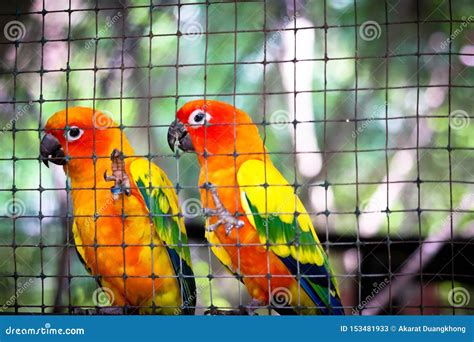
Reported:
(162, 201)
(277, 213)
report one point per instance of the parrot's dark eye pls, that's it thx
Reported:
(198, 117)
(74, 133)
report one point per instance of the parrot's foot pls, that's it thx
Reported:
(111, 311)
(100, 311)
(248, 310)
(119, 175)
(83, 312)
(225, 217)
(218, 312)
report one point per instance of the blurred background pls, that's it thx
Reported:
(366, 104)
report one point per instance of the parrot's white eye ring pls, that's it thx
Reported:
(199, 117)
(73, 133)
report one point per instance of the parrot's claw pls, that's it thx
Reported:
(214, 226)
(79, 311)
(111, 311)
(228, 225)
(224, 216)
(218, 312)
(236, 224)
(108, 178)
(248, 310)
(119, 175)
(99, 311)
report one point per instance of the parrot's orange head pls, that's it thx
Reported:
(218, 128)
(74, 136)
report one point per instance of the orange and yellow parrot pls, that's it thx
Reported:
(258, 227)
(130, 236)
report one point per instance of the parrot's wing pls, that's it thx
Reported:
(162, 202)
(281, 220)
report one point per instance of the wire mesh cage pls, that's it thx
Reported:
(364, 107)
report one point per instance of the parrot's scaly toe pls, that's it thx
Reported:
(224, 216)
(248, 310)
(119, 175)
(233, 224)
(238, 312)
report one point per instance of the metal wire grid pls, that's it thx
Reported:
(265, 92)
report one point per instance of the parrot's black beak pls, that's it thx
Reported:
(178, 135)
(51, 150)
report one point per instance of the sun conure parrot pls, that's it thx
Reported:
(258, 227)
(130, 235)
